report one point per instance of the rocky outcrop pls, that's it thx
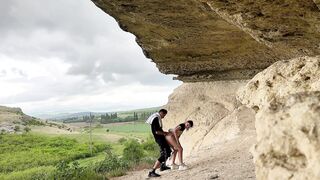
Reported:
(217, 115)
(204, 40)
(280, 79)
(288, 138)
(12, 117)
(209, 40)
(286, 97)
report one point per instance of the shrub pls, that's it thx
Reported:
(133, 151)
(33, 122)
(26, 129)
(122, 140)
(99, 126)
(16, 128)
(3, 131)
(151, 147)
(112, 165)
(64, 171)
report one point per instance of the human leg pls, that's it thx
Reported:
(173, 144)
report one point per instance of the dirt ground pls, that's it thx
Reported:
(230, 160)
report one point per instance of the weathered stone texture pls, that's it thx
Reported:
(288, 138)
(217, 115)
(286, 97)
(217, 39)
(280, 79)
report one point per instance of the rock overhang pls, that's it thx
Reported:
(206, 40)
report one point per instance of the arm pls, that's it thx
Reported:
(157, 129)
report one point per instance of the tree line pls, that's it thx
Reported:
(111, 118)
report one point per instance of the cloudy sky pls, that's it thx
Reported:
(69, 56)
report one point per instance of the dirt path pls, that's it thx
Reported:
(226, 161)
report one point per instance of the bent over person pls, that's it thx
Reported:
(155, 120)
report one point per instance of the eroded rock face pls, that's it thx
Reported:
(216, 113)
(280, 79)
(287, 100)
(204, 40)
(288, 138)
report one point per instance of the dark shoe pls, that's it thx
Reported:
(164, 167)
(153, 174)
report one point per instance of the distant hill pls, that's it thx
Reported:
(13, 115)
(64, 116)
(13, 119)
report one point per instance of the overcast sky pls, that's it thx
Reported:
(69, 56)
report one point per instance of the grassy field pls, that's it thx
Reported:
(25, 156)
(23, 153)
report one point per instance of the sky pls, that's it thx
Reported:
(69, 56)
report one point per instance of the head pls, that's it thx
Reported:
(163, 113)
(189, 124)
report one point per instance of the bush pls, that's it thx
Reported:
(122, 140)
(33, 122)
(16, 128)
(133, 151)
(64, 171)
(26, 129)
(99, 126)
(151, 147)
(112, 165)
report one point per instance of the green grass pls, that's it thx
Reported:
(129, 128)
(36, 154)
(41, 172)
(26, 153)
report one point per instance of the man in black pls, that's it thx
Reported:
(159, 136)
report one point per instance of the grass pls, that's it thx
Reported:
(41, 172)
(137, 127)
(28, 153)
(36, 154)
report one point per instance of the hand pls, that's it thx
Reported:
(167, 133)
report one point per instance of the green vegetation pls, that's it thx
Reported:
(44, 152)
(21, 152)
(129, 128)
(112, 117)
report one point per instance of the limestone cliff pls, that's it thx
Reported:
(287, 98)
(203, 40)
(216, 113)
(209, 40)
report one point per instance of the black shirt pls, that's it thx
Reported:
(155, 126)
(182, 126)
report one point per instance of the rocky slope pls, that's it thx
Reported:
(12, 117)
(203, 40)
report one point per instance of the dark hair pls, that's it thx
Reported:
(191, 123)
(163, 110)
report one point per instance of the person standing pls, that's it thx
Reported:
(155, 120)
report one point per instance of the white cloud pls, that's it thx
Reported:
(70, 56)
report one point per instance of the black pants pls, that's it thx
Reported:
(165, 150)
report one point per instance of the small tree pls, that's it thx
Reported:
(16, 128)
(3, 131)
(26, 129)
(133, 151)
